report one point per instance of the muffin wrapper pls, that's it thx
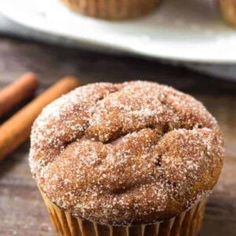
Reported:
(112, 9)
(188, 223)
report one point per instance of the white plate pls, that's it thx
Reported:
(183, 30)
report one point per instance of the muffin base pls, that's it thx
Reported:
(188, 223)
(112, 9)
(228, 11)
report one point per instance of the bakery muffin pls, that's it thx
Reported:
(136, 158)
(228, 10)
(112, 9)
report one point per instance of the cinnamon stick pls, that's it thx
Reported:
(16, 130)
(17, 92)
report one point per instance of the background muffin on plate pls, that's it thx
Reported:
(228, 10)
(112, 9)
(136, 158)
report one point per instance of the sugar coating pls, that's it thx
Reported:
(130, 153)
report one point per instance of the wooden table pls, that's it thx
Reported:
(22, 212)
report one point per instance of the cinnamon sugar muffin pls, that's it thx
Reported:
(112, 9)
(136, 158)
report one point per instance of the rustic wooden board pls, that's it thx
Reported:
(21, 209)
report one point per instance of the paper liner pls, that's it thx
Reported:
(112, 9)
(228, 11)
(187, 224)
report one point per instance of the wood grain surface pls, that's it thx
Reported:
(22, 211)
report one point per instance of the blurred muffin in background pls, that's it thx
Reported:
(112, 9)
(228, 9)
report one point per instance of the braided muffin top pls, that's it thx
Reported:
(129, 153)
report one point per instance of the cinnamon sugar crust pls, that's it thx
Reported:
(130, 153)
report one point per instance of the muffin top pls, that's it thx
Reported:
(130, 153)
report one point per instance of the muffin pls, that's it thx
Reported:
(228, 10)
(112, 9)
(135, 158)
